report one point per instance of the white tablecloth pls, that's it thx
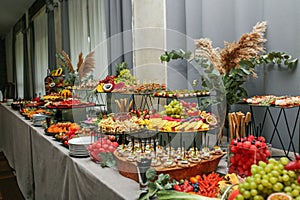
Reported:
(45, 170)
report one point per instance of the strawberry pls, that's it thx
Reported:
(189, 188)
(247, 144)
(177, 188)
(233, 194)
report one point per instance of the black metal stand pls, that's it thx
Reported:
(275, 121)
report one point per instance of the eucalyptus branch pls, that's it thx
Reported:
(176, 54)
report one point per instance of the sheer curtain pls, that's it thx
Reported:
(97, 26)
(19, 64)
(88, 33)
(41, 51)
(9, 56)
(78, 23)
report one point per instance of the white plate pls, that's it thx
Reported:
(79, 155)
(80, 141)
(79, 151)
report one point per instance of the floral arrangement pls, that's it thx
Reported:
(84, 67)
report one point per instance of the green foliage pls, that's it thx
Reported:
(108, 159)
(174, 55)
(156, 183)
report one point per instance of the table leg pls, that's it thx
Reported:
(258, 130)
(276, 130)
(289, 132)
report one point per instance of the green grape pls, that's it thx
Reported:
(288, 189)
(262, 172)
(285, 177)
(277, 167)
(256, 176)
(295, 193)
(253, 185)
(260, 187)
(253, 192)
(239, 197)
(245, 185)
(259, 168)
(273, 180)
(254, 169)
(266, 177)
(250, 179)
(258, 197)
(257, 180)
(268, 168)
(277, 187)
(265, 182)
(275, 173)
(292, 173)
(293, 185)
(262, 164)
(247, 194)
(280, 166)
(242, 190)
(272, 161)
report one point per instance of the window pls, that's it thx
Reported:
(88, 33)
(19, 64)
(41, 51)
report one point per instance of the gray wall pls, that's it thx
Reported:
(227, 21)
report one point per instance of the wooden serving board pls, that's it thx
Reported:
(128, 169)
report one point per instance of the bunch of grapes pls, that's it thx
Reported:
(174, 109)
(125, 77)
(269, 178)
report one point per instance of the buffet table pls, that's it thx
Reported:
(44, 169)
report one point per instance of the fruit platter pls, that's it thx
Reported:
(69, 103)
(181, 93)
(29, 112)
(62, 127)
(272, 100)
(65, 131)
(181, 116)
(178, 116)
(21, 103)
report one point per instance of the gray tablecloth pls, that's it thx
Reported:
(16, 145)
(45, 170)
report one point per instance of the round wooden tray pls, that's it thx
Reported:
(128, 169)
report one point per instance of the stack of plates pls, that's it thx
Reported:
(78, 146)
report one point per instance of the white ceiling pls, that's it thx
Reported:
(10, 12)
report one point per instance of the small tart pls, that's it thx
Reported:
(155, 163)
(169, 163)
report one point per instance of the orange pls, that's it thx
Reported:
(198, 177)
(193, 180)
